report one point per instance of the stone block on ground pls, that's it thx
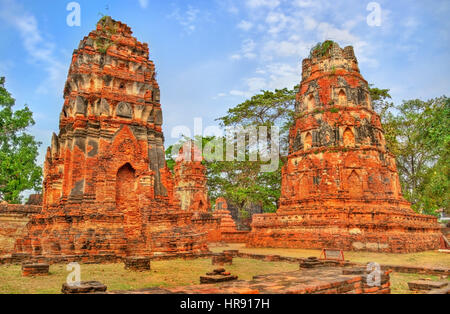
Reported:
(311, 262)
(426, 285)
(217, 276)
(137, 263)
(84, 287)
(31, 270)
(222, 259)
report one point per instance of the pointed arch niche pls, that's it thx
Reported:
(308, 141)
(349, 138)
(125, 185)
(310, 102)
(342, 98)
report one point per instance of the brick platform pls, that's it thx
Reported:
(309, 281)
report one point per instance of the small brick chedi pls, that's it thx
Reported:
(190, 188)
(107, 189)
(340, 187)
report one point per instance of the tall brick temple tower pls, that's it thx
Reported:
(340, 187)
(106, 185)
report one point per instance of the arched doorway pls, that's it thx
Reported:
(125, 185)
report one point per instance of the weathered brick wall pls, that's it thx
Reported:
(13, 219)
(19, 209)
(235, 236)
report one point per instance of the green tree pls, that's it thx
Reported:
(419, 138)
(18, 150)
(269, 108)
(242, 182)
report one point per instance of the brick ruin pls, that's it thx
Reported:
(107, 189)
(13, 221)
(340, 187)
(190, 188)
(228, 230)
(191, 193)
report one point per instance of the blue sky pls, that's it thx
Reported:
(211, 55)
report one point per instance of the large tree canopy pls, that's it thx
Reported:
(419, 136)
(18, 150)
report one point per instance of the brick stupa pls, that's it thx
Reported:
(107, 189)
(340, 187)
(190, 188)
(227, 224)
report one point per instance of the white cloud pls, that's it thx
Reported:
(342, 36)
(309, 22)
(247, 51)
(263, 3)
(245, 25)
(306, 3)
(40, 51)
(143, 3)
(187, 19)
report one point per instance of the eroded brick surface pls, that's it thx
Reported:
(107, 189)
(13, 220)
(340, 187)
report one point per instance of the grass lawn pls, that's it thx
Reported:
(180, 272)
(423, 259)
(163, 274)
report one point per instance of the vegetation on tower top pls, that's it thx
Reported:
(321, 49)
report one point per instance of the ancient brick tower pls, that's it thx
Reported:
(190, 188)
(106, 185)
(340, 186)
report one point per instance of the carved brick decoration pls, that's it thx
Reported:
(340, 187)
(190, 180)
(107, 189)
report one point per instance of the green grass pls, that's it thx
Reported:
(163, 274)
(187, 272)
(422, 259)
